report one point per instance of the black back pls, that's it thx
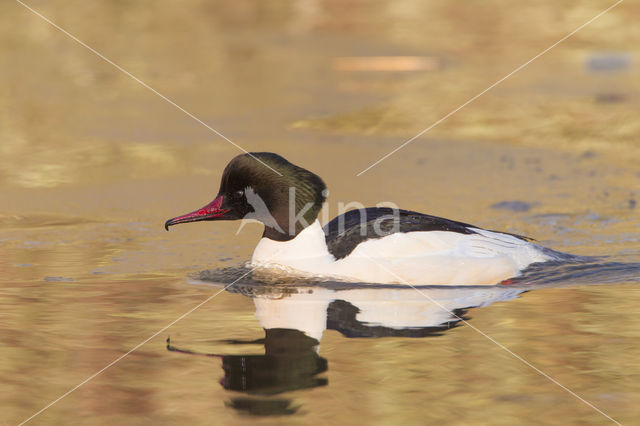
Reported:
(348, 230)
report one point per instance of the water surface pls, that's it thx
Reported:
(92, 164)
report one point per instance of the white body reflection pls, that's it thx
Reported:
(309, 308)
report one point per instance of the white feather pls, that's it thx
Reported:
(434, 257)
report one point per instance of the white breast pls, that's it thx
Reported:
(431, 258)
(307, 252)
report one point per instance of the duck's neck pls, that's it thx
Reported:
(283, 231)
(277, 235)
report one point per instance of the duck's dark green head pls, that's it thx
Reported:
(284, 203)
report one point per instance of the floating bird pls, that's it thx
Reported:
(372, 245)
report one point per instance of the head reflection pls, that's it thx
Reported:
(290, 362)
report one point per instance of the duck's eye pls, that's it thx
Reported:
(238, 193)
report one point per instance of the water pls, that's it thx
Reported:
(92, 164)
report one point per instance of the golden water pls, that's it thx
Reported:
(92, 164)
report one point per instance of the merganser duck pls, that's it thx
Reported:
(373, 245)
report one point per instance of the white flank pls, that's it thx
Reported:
(419, 258)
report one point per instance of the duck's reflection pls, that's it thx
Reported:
(380, 311)
(295, 318)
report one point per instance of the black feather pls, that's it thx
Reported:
(348, 230)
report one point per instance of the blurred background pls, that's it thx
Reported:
(92, 163)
